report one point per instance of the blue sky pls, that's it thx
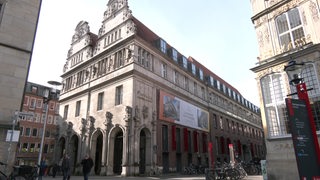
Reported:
(218, 34)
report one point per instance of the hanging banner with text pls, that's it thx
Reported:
(303, 141)
(177, 111)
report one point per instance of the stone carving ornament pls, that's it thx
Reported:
(314, 11)
(145, 112)
(81, 29)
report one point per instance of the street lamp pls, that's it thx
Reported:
(48, 94)
(302, 124)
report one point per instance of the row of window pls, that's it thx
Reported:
(35, 148)
(39, 118)
(37, 103)
(145, 59)
(193, 141)
(199, 91)
(112, 37)
(100, 102)
(98, 69)
(233, 108)
(198, 72)
(76, 59)
(35, 132)
(222, 147)
(235, 127)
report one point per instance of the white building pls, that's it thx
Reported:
(133, 102)
(286, 30)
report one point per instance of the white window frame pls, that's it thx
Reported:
(119, 95)
(100, 101)
(33, 102)
(164, 70)
(274, 93)
(293, 42)
(78, 107)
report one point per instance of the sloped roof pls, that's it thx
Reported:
(148, 35)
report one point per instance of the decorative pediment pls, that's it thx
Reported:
(82, 29)
(114, 6)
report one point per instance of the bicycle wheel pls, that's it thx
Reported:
(232, 174)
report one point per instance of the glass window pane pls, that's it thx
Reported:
(282, 23)
(310, 78)
(285, 39)
(298, 34)
(273, 96)
(278, 89)
(294, 18)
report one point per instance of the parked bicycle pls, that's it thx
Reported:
(250, 168)
(155, 171)
(11, 175)
(228, 171)
(28, 172)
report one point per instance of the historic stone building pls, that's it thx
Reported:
(133, 102)
(286, 30)
(18, 22)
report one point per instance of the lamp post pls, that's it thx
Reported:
(302, 124)
(48, 94)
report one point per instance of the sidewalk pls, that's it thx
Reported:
(170, 176)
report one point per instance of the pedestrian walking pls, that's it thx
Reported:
(87, 164)
(54, 169)
(42, 168)
(66, 167)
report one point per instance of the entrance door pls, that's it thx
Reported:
(142, 163)
(118, 149)
(179, 162)
(97, 166)
(73, 152)
(165, 162)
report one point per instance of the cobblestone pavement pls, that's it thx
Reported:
(172, 177)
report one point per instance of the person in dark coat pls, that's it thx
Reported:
(65, 167)
(54, 169)
(42, 168)
(87, 164)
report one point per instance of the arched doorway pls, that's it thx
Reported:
(142, 152)
(145, 153)
(118, 152)
(246, 153)
(98, 154)
(73, 152)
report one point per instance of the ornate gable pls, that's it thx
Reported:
(82, 29)
(114, 6)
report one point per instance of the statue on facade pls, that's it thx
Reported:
(145, 112)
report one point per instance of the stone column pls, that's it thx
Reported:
(69, 133)
(127, 153)
(134, 148)
(83, 136)
(91, 129)
(106, 169)
(153, 139)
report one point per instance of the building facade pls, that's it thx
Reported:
(31, 128)
(286, 30)
(133, 102)
(17, 33)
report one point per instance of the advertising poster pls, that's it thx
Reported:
(177, 111)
